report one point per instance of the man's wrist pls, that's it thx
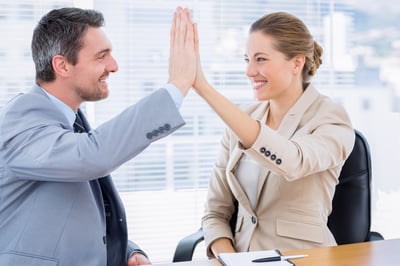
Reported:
(175, 94)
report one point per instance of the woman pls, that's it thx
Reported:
(279, 158)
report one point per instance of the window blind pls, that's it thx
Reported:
(164, 187)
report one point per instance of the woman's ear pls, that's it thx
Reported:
(299, 61)
(60, 65)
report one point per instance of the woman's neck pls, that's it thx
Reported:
(280, 106)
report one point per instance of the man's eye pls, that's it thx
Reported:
(261, 59)
(246, 60)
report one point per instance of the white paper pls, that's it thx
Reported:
(245, 258)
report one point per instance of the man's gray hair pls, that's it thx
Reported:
(61, 32)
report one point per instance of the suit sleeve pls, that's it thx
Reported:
(132, 249)
(322, 143)
(40, 145)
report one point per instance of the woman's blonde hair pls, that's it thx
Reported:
(292, 38)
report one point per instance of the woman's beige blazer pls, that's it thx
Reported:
(303, 159)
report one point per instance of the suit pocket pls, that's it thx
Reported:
(302, 225)
(19, 258)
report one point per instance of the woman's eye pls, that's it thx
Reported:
(246, 60)
(261, 59)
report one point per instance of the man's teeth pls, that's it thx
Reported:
(257, 84)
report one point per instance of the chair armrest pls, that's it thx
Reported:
(374, 236)
(185, 248)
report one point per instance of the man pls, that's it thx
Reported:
(58, 204)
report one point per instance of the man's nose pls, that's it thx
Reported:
(112, 65)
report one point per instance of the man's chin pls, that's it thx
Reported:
(103, 94)
(97, 97)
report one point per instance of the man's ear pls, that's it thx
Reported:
(60, 65)
(299, 61)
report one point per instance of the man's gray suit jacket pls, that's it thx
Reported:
(52, 180)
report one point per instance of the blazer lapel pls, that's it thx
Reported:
(293, 117)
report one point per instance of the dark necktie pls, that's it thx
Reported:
(78, 125)
(105, 194)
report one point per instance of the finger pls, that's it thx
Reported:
(196, 38)
(197, 45)
(172, 31)
(175, 28)
(189, 35)
(178, 21)
(182, 28)
(189, 40)
(188, 14)
(132, 262)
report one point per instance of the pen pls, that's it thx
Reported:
(278, 258)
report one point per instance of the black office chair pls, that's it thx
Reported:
(350, 220)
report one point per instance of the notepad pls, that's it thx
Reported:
(245, 258)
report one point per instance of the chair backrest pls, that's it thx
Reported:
(350, 220)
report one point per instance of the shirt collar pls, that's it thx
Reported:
(65, 109)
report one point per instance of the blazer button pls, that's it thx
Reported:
(149, 135)
(267, 153)
(262, 150)
(253, 220)
(278, 161)
(273, 157)
(167, 126)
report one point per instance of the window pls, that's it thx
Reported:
(164, 187)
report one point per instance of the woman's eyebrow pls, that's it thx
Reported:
(256, 54)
